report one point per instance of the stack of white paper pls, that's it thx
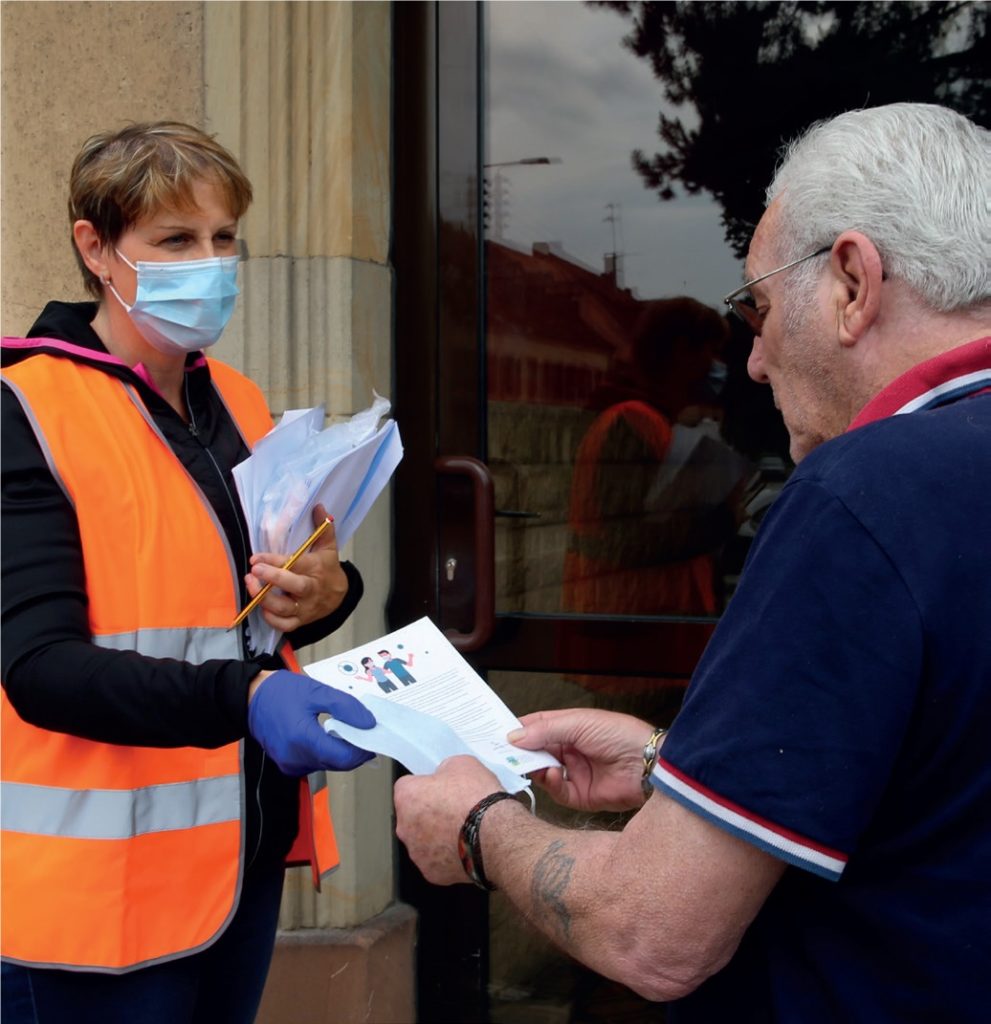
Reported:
(299, 464)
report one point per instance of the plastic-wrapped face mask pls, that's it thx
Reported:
(182, 306)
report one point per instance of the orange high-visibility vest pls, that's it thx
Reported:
(595, 580)
(118, 857)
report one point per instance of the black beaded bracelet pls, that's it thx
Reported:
(469, 846)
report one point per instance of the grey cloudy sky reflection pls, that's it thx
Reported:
(560, 84)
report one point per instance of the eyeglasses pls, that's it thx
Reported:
(742, 302)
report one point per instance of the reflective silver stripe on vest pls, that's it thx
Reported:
(192, 645)
(118, 813)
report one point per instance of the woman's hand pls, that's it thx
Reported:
(601, 753)
(313, 588)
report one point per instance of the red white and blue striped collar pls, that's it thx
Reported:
(959, 373)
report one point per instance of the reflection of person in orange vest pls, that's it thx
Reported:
(153, 764)
(625, 556)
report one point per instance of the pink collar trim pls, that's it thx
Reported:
(965, 370)
(94, 355)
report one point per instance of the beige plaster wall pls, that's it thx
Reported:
(70, 70)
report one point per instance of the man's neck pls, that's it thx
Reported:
(908, 333)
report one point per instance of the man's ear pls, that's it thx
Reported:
(857, 271)
(91, 249)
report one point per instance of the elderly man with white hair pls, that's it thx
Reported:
(817, 839)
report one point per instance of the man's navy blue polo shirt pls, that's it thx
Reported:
(841, 719)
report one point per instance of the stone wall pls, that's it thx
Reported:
(70, 70)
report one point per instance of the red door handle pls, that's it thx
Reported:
(483, 536)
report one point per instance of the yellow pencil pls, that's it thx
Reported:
(288, 564)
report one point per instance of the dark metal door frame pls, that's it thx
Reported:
(452, 943)
(439, 401)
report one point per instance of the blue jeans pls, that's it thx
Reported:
(221, 985)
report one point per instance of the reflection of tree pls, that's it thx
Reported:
(747, 76)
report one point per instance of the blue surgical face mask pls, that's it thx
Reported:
(182, 306)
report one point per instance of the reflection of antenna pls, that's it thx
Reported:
(500, 191)
(614, 259)
(612, 216)
(495, 192)
(495, 204)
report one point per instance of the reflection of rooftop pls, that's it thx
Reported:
(554, 324)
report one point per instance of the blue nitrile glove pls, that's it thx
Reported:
(282, 716)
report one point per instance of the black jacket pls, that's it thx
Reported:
(55, 678)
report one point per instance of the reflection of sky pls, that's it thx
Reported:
(561, 85)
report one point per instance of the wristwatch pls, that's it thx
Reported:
(650, 751)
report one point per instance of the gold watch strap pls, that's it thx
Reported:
(650, 751)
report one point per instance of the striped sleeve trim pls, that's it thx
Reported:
(780, 842)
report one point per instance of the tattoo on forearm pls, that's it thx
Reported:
(551, 877)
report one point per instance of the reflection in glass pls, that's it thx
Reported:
(615, 403)
(627, 146)
(656, 493)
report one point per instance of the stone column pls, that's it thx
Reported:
(301, 93)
